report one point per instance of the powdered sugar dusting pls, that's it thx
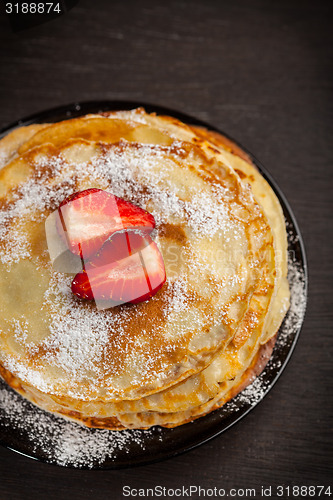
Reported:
(205, 214)
(28, 203)
(298, 297)
(78, 342)
(254, 392)
(18, 245)
(65, 443)
(3, 158)
(77, 337)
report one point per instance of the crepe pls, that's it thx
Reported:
(184, 352)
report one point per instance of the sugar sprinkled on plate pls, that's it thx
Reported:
(62, 442)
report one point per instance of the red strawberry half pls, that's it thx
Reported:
(88, 218)
(129, 268)
(121, 245)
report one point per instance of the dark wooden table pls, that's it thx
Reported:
(260, 71)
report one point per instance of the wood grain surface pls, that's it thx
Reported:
(261, 71)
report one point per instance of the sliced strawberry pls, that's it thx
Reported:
(134, 278)
(88, 218)
(119, 246)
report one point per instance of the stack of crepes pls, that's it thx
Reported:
(194, 344)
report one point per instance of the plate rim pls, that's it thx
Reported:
(81, 108)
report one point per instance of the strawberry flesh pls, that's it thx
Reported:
(128, 268)
(118, 247)
(88, 218)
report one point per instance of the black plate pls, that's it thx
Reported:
(42, 436)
